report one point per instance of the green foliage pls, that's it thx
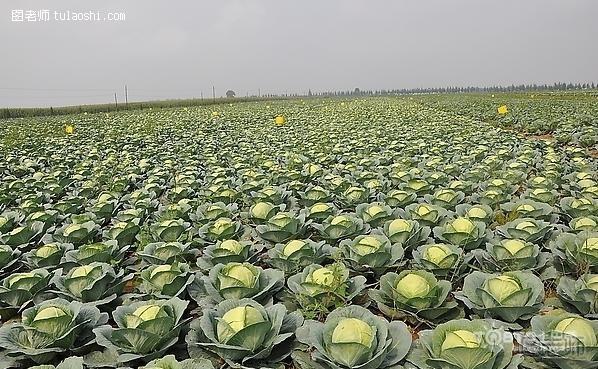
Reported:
(421, 209)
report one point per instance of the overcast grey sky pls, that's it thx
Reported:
(169, 49)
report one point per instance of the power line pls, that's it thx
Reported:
(51, 96)
(52, 89)
(159, 89)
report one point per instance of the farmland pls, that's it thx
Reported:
(425, 231)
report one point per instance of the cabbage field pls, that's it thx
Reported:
(414, 232)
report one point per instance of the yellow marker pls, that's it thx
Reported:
(69, 129)
(215, 114)
(503, 110)
(280, 120)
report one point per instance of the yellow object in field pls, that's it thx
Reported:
(215, 114)
(69, 129)
(503, 110)
(280, 120)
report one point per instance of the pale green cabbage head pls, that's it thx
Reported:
(399, 225)
(513, 245)
(261, 210)
(413, 285)
(51, 320)
(436, 254)
(578, 328)
(238, 273)
(47, 250)
(233, 246)
(367, 245)
(292, 247)
(461, 338)
(144, 313)
(235, 320)
(462, 225)
(501, 287)
(353, 330)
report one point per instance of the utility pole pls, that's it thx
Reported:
(201, 95)
(259, 92)
(126, 97)
(214, 93)
(115, 101)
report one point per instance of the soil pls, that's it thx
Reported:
(545, 137)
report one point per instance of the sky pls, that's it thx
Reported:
(181, 48)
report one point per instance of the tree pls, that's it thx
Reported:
(230, 94)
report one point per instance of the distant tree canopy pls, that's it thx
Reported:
(560, 86)
(230, 94)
